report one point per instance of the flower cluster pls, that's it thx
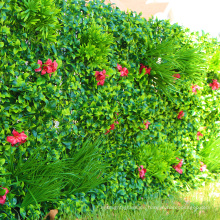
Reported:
(180, 115)
(177, 76)
(194, 87)
(3, 198)
(199, 134)
(142, 172)
(214, 84)
(178, 166)
(202, 166)
(147, 70)
(112, 127)
(48, 67)
(100, 77)
(123, 71)
(17, 138)
(146, 125)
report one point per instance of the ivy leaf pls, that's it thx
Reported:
(75, 129)
(2, 192)
(40, 81)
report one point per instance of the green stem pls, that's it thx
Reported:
(12, 153)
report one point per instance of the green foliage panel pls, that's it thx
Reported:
(58, 112)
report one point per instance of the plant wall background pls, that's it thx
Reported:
(144, 85)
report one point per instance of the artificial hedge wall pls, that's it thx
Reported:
(73, 69)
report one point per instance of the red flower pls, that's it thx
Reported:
(147, 70)
(3, 198)
(101, 82)
(142, 172)
(199, 134)
(180, 115)
(48, 62)
(194, 88)
(54, 66)
(180, 171)
(123, 71)
(112, 128)
(178, 166)
(202, 166)
(100, 76)
(180, 163)
(48, 67)
(214, 84)
(146, 124)
(39, 69)
(177, 75)
(17, 138)
(119, 67)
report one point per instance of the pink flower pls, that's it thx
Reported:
(180, 171)
(178, 166)
(146, 124)
(48, 67)
(194, 87)
(147, 70)
(100, 76)
(214, 84)
(112, 128)
(39, 69)
(119, 67)
(101, 82)
(177, 75)
(180, 115)
(3, 198)
(203, 168)
(54, 66)
(124, 72)
(17, 138)
(199, 134)
(48, 62)
(23, 137)
(14, 139)
(107, 131)
(142, 172)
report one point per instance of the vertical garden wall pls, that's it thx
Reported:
(148, 88)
